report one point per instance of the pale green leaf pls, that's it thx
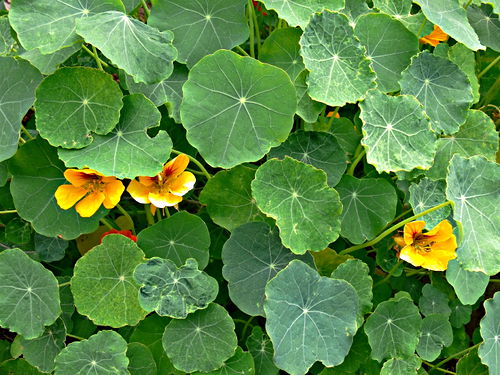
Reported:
(299, 12)
(7, 42)
(486, 25)
(241, 363)
(468, 285)
(355, 9)
(436, 334)
(141, 359)
(433, 301)
(401, 366)
(261, 347)
(47, 64)
(395, 8)
(466, 61)
(426, 194)
(489, 350)
(307, 108)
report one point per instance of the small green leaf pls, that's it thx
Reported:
(29, 295)
(427, 194)
(436, 334)
(50, 249)
(103, 286)
(241, 363)
(261, 348)
(489, 350)
(347, 136)
(466, 61)
(18, 231)
(401, 366)
(307, 108)
(141, 360)
(433, 301)
(306, 209)
(460, 314)
(468, 285)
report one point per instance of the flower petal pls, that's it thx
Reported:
(450, 245)
(67, 195)
(148, 181)
(138, 191)
(438, 260)
(164, 199)
(77, 177)
(113, 191)
(90, 204)
(437, 35)
(399, 241)
(410, 255)
(182, 184)
(176, 166)
(412, 229)
(441, 232)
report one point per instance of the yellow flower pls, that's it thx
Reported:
(435, 37)
(94, 186)
(432, 250)
(165, 189)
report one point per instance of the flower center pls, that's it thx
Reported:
(95, 184)
(422, 244)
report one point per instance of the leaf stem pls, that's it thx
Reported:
(421, 27)
(494, 280)
(107, 223)
(385, 233)
(8, 212)
(404, 213)
(490, 65)
(149, 216)
(490, 93)
(251, 27)
(467, 5)
(245, 327)
(65, 284)
(389, 274)
(357, 159)
(97, 59)
(75, 337)
(195, 172)
(147, 12)
(439, 368)
(241, 50)
(198, 164)
(127, 215)
(95, 56)
(25, 131)
(158, 214)
(458, 354)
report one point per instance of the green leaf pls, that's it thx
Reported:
(473, 186)
(427, 194)
(50, 25)
(201, 342)
(460, 314)
(309, 318)
(7, 42)
(348, 138)
(228, 197)
(397, 133)
(252, 256)
(486, 24)
(103, 286)
(299, 12)
(141, 360)
(494, 3)
(18, 366)
(261, 348)
(393, 329)
(442, 88)
(395, 8)
(369, 205)
(433, 301)
(18, 231)
(171, 291)
(128, 151)
(306, 209)
(141, 50)
(489, 350)
(177, 238)
(436, 334)
(468, 285)
(466, 61)
(319, 149)
(340, 73)
(47, 64)
(389, 46)
(42, 351)
(50, 249)
(236, 108)
(36, 175)
(401, 366)
(470, 364)
(201, 28)
(241, 363)
(282, 49)
(355, 9)
(18, 84)
(451, 17)
(102, 354)
(307, 108)
(77, 95)
(29, 295)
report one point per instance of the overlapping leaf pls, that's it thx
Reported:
(47, 64)
(426, 194)
(141, 360)
(261, 348)
(307, 108)
(241, 363)
(401, 366)
(468, 285)
(489, 351)
(436, 334)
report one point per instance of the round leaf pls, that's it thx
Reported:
(261, 347)
(177, 238)
(436, 334)
(309, 318)
(50, 249)
(75, 102)
(401, 366)
(468, 285)
(29, 294)
(252, 256)
(486, 25)
(433, 301)
(236, 108)
(141, 360)
(427, 194)
(340, 71)
(306, 209)
(128, 151)
(489, 350)
(103, 286)
(241, 363)
(202, 341)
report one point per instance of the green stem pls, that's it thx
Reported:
(251, 27)
(245, 327)
(149, 216)
(198, 164)
(95, 56)
(195, 172)
(166, 211)
(75, 337)
(490, 93)
(414, 272)
(355, 162)
(385, 233)
(8, 212)
(421, 27)
(404, 213)
(389, 274)
(147, 12)
(22, 140)
(494, 280)
(64, 284)
(107, 223)
(468, 3)
(25, 131)
(126, 214)
(97, 59)
(490, 65)
(458, 354)
(332, 119)
(439, 369)
(158, 214)
(241, 50)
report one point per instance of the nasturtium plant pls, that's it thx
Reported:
(249, 187)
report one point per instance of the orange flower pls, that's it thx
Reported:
(165, 189)
(432, 250)
(94, 186)
(125, 233)
(435, 37)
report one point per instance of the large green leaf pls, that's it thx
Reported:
(171, 291)
(75, 102)
(319, 149)
(252, 256)
(389, 46)
(201, 27)
(474, 188)
(397, 133)
(177, 238)
(103, 286)
(128, 151)
(468, 285)
(17, 85)
(433, 301)
(236, 108)
(309, 318)
(450, 16)
(298, 12)
(306, 209)
(36, 175)
(261, 347)
(427, 194)
(101, 354)
(241, 363)
(393, 329)
(141, 360)
(47, 64)
(436, 334)
(340, 71)
(228, 197)
(201, 342)
(141, 50)
(50, 25)
(489, 350)
(396, 8)
(369, 205)
(442, 88)
(486, 25)
(29, 294)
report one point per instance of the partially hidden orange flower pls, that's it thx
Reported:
(93, 187)
(435, 37)
(125, 233)
(165, 189)
(432, 250)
